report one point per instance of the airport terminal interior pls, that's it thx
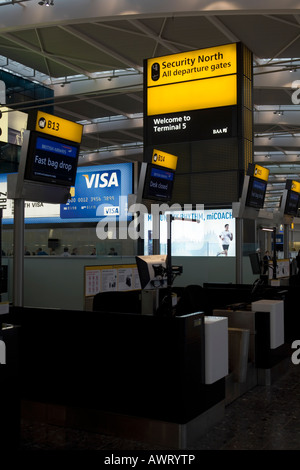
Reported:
(149, 225)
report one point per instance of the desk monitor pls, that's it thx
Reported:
(152, 271)
(158, 184)
(255, 263)
(256, 193)
(292, 203)
(51, 160)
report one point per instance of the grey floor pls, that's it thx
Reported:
(264, 418)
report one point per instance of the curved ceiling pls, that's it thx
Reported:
(91, 54)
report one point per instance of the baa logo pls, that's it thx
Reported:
(42, 123)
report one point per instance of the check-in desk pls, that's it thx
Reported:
(216, 348)
(10, 397)
(136, 376)
(256, 343)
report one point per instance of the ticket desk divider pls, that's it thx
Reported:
(258, 354)
(10, 397)
(135, 376)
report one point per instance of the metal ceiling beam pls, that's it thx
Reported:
(101, 47)
(97, 157)
(223, 29)
(151, 34)
(36, 50)
(112, 126)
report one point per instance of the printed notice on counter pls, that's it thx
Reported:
(110, 278)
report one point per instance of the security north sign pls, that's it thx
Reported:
(191, 95)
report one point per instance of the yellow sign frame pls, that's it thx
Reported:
(164, 159)
(58, 127)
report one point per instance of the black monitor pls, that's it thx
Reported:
(51, 160)
(158, 184)
(292, 203)
(256, 193)
(255, 263)
(152, 271)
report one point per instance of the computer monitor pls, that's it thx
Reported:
(256, 193)
(51, 160)
(292, 203)
(158, 183)
(255, 263)
(152, 271)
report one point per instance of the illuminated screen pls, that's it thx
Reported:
(292, 203)
(51, 160)
(256, 193)
(194, 233)
(152, 271)
(158, 183)
(100, 191)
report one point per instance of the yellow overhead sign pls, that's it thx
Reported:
(53, 125)
(201, 79)
(164, 159)
(261, 172)
(192, 65)
(295, 186)
(188, 96)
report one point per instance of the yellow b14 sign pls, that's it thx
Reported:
(164, 159)
(58, 127)
(261, 172)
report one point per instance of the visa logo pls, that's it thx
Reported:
(101, 180)
(111, 210)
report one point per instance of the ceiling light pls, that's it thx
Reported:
(46, 2)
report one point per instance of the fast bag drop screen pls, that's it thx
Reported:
(51, 160)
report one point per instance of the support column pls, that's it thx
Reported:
(239, 251)
(18, 275)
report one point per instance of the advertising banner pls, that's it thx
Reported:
(99, 191)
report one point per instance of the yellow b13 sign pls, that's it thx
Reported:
(58, 127)
(164, 159)
(295, 186)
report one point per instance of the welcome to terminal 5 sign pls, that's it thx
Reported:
(182, 92)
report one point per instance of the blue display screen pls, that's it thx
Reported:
(158, 184)
(51, 160)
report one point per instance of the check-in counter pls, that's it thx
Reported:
(276, 310)
(137, 376)
(264, 320)
(216, 348)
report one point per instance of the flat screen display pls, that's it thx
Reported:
(158, 183)
(255, 263)
(51, 160)
(152, 271)
(256, 193)
(292, 203)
